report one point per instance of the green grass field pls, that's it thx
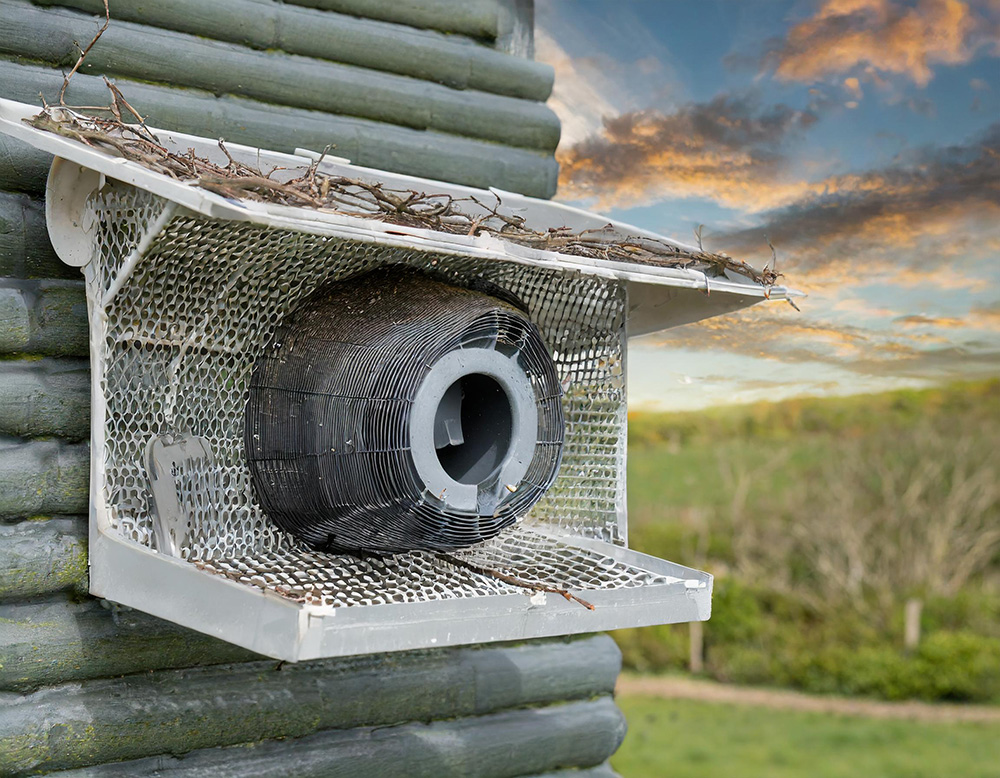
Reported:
(796, 508)
(685, 739)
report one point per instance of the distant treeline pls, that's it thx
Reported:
(855, 541)
(852, 416)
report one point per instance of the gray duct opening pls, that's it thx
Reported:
(475, 421)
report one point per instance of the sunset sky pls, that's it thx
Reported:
(862, 137)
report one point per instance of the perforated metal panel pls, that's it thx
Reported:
(183, 332)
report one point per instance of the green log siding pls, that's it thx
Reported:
(43, 556)
(144, 53)
(43, 478)
(426, 87)
(402, 149)
(176, 711)
(45, 398)
(480, 19)
(566, 737)
(43, 318)
(22, 167)
(458, 110)
(25, 250)
(393, 48)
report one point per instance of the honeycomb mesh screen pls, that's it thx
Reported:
(182, 334)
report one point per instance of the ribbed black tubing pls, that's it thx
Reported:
(327, 421)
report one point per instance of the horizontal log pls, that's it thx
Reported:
(385, 146)
(600, 771)
(45, 398)
(150, 54)
(367, 43)
(475, 18)
(25, 250)
(47, 318)
(43, 478)
(42, 557)
(58, 641)
(176, 711)
(22, 167)
(501, 745)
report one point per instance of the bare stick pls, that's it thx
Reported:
(373, 200)
(513, 580)
(83, 54)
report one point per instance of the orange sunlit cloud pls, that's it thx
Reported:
(935, 205)
(884, 37)
(726, 149)
(893, 236)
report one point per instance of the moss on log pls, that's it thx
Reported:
(44, 478)
(45, 398)
(57, 641)
(42, 557)
(176, 711)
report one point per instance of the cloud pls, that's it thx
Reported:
(922, 320)
(853, 87)
(768, 332)
(984, 318)
(924, 230)
(580, 100)
(877, 37)
(592, 83)
(931, 204)
(729, 149)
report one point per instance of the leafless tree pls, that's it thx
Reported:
(897, 520)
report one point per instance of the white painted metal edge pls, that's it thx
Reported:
(266, 623)
(539, 214)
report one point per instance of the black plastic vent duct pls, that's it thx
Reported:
(394, 412)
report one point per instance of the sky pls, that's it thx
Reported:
(860, 137)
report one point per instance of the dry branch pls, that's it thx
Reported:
(84, 52)
(364, 199)
(531, 586)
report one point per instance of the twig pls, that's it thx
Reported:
(83, 54)
(373, 200)
(513, 580)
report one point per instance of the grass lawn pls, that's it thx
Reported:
(682, 739)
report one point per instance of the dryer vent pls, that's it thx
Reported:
(394, 412)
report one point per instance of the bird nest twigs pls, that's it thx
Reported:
(118, 129)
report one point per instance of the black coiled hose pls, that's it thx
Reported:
(394, 412)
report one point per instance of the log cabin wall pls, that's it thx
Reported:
(438, 88)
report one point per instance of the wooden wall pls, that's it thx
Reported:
(437, 99)
(439, 88)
